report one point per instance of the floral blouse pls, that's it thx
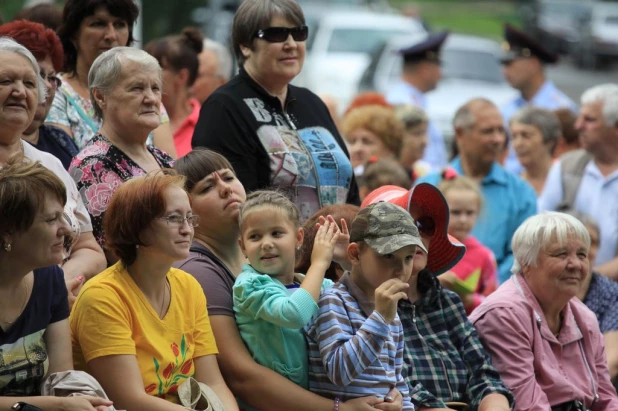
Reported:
(63, 112)
(99, 169)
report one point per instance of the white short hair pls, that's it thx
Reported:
(8, 45)
(539, 231)
(106, 69)
(224, 58)
(608, 95)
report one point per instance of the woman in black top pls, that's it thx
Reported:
(34, 309)
(273, 133)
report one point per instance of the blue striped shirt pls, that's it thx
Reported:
(353, 352)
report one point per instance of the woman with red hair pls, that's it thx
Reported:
(45, 45)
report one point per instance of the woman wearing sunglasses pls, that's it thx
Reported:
(446, 365)
(273, 133)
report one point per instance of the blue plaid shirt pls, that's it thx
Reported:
(444, 359)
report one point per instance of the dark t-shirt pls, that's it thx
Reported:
(55, 141)
(295, 148)
(215, 278)
(23, 352)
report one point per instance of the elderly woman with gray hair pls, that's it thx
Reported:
(535, 132)
(546, 344)
(125, 88)
(22, 90)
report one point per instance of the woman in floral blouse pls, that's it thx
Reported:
(88, 29)
(129, 105)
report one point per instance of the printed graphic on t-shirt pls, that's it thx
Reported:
(302, 159)
(23, 365)
(307, 161)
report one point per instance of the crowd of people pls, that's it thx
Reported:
(173, 236)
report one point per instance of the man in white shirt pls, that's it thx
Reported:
(592, 186)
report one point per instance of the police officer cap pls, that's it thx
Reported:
(518, 44)
(428, 49)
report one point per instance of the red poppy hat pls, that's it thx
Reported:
(427, 204)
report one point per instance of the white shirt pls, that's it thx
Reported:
(597, 196)
(74, 210)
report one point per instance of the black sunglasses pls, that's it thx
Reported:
(426, 225)
(280, 34)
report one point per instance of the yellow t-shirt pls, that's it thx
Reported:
(113, 317)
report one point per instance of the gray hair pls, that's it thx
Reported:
(254, 15)
(224, 58)
(538, 231)
(464, 117)
(544, 120)
(107, 69)
(608, 95)
(8, 45)
(410, 115)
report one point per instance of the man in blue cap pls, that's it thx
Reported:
(421, 74)
(523, 64)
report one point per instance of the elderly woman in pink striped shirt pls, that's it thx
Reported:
(545, 343)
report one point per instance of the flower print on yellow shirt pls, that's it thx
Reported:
(173, 374)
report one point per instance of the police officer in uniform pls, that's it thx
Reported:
(421, 74)
(523, 63)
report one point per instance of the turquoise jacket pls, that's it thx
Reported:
(271, 322)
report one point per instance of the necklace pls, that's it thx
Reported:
(23, 305)
(168, 290)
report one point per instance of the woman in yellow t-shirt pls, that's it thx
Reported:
(140, 327)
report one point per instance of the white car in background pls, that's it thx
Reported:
(340, 44)
(597, 40)
(470, 66)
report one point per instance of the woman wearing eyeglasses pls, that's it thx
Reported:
(141, 327)
(45, 45)
(126, 86)
(275, 134)
(446, 366)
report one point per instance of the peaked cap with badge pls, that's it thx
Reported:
(426, 50)
(518, 44)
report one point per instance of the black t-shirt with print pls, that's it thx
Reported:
(23, 352)
(296, 148)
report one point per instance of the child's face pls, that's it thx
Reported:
(269, 240)
(373, 269)
(464, 206)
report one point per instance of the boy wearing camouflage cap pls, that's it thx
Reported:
(356, 340)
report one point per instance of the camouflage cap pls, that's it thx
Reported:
(386, 228)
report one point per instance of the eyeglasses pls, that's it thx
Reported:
(53, 79)
(178, 220)
(426, 225)
(280, 34)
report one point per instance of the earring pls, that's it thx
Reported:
(7, 247)
(298, 248)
